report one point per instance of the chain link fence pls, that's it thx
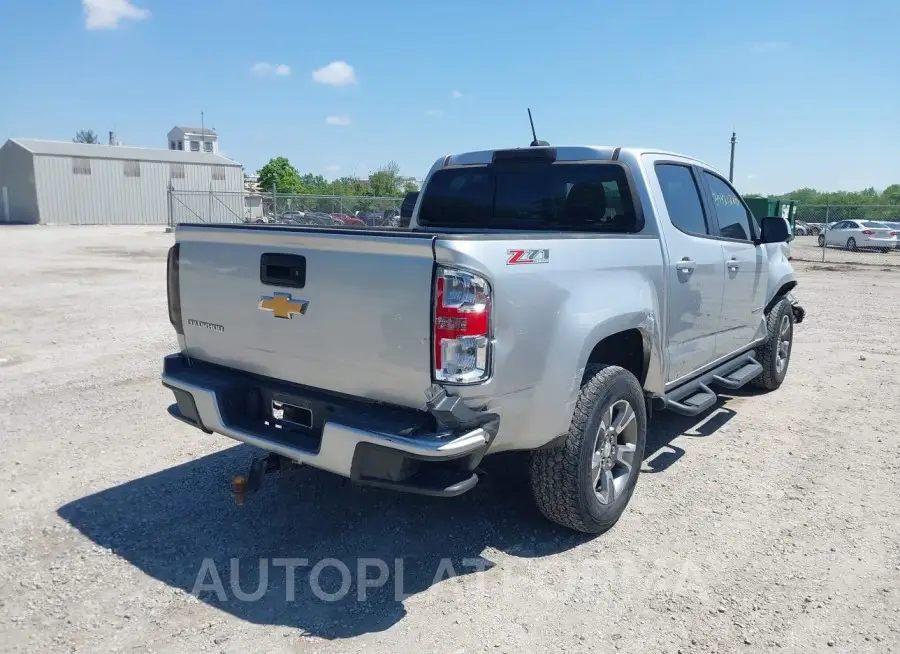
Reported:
(847, 234)
(223, 207)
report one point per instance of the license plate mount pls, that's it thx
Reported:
(292, 414)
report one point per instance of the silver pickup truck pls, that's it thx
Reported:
(544, 299)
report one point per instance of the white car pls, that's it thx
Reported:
(896, 227)
(859, 234)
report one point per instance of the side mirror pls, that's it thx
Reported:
(774, 229)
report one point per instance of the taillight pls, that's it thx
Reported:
(892, 234)
(462, 327)
(173, 290)
(868, 232)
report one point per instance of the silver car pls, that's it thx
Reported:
(859, 235)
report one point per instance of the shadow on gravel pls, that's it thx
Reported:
(168, 523)
(660, 454)
(181, 525)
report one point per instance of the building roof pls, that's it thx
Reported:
(97, 151)
(205, 131)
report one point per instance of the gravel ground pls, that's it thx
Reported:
(770, 523)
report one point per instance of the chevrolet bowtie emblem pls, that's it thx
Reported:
(282, 305)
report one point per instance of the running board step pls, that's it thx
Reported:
(694, 404)
(737, 378)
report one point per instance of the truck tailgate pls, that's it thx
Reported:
(359, 324)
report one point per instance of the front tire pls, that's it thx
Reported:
(775, 354)
(821, 240)
(585, 482)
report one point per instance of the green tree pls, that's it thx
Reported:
(86, 136)
(384, 182)
(280, 173)
(314, 185)
(891, 194)
(410, 187)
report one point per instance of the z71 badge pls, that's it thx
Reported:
(518, 257)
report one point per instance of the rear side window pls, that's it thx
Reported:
(536, 197)
(682, 198)
(409, 203)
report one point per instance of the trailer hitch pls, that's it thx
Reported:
(242, 485)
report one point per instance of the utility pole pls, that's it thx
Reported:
(731, 166)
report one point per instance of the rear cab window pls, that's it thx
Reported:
(532, 196)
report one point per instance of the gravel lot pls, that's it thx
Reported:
(771, 523)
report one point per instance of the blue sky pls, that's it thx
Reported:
(811, 87)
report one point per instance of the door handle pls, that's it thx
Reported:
(733, 265)
(686, 265)
(280, 269)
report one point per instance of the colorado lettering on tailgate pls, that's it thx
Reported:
(518, 257)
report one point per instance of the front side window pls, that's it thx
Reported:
(533, 196)
(682, 198)
(734, 219)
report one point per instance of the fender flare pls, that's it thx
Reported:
(785, 286)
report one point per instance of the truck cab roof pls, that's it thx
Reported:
(566, 153)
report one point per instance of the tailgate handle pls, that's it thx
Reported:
(279, 269)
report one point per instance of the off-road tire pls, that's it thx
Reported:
(770, 379)
(560, 475)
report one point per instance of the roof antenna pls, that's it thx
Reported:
(535, 143)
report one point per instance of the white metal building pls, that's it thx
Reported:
(58, 182)
(193, 139)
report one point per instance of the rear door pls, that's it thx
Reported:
(696, 268)
(834, 233)
(746, 266)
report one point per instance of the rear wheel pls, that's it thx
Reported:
(851, 244)
(585, 482)
(775, 354)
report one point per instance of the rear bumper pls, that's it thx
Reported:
(890, 243)
(371, 443)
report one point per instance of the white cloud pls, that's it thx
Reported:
(434, 113)
(768, 46)
(456, 94)
(264, 69)
(337, 120)
(332, 168)
(337, 73)
(107, 14)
